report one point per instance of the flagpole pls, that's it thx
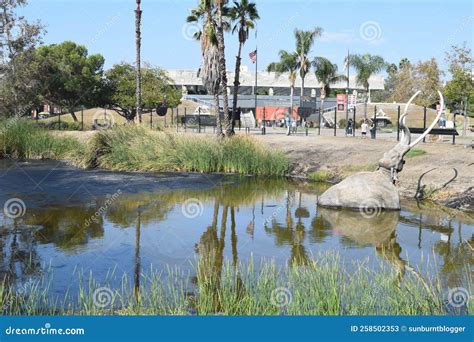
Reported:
(347, 94)
(256, 82)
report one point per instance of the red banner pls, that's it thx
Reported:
(275, 113)
(341, 102)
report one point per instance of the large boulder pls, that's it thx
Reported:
(365, 191)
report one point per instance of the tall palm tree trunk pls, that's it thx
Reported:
(366, 102)
(136, 276)
(138, 76)
(292, 95)
(302, 92)
(222, 70)
(218, 114)
(238, 61)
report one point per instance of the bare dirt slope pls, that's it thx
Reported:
(344, 156)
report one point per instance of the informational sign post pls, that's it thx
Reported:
(352, 101)
(341, 102)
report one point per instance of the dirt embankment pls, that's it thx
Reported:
(339, 157)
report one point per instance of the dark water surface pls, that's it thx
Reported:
(95, 221)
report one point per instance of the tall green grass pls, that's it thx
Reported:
(321, 287)
(23, 139)
(133, 148)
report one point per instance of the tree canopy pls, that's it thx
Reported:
(120, 89)
(70, 76)
(459, 90)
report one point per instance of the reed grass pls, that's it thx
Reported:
(321, 287)
(133, 148)
(21, 139)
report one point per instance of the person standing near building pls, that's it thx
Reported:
(288, 125)
(372, 130)
(349, 127)
(363, 128)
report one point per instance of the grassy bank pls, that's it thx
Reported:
(321, 287)
(24, 140)
(132, 148)
(140, 149)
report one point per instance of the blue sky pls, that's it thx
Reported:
(416, 29)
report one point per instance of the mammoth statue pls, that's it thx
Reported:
(376, 190)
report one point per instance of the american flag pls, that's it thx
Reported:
(253, 56)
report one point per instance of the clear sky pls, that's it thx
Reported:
(418, 29)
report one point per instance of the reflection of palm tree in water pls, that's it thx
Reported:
(290, 233)
(211, 250)
(19, 260)
(137, 257)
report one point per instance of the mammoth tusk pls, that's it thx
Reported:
(405, 111)
(435, 121)
(406, 137)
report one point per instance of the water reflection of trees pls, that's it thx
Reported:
(19, 259)
(65, 227)
(291, 227)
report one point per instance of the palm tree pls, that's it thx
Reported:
(326, 74)
(288, 63)
(366, 65)
(220, 13)
(138, 77)
(243, 14)
(205, 14)
(304, 42)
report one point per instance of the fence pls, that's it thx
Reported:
(311, 119)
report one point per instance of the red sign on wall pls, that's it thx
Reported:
(341, 102)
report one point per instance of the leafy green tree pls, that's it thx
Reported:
(326, 74)
(288, 63)
(404, 62)
(304, 42)
(244, 14)
(459, 91)
(423, 76)
(71, 76)
(121, 85)
(18, 38)
(366, 66)
(427, 77)
(391, 69)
